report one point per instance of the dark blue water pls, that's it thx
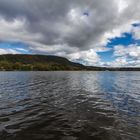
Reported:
(69, 105)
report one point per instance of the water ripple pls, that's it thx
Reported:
(69, 105)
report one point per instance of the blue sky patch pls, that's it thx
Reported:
(18, 46)
(126, 39)
(106, 56)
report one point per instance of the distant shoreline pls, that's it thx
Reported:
(24, 62)
(63, 70)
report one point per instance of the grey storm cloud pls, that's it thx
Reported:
(46, 16)
(64, 27)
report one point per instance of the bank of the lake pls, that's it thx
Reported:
(22, 62)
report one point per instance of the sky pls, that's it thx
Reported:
(90, 32)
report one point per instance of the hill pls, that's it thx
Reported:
(24, 62)
(37, 62)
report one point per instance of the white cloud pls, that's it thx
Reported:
(122, 5)
(8, 51)
(125, 56)
(21, 49)
(89, 57)
(127, 51)
(119, 62)
(136, 32)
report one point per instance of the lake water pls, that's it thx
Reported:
(69, 105)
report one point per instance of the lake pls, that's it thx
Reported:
(70, 105)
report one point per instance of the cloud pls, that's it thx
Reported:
(8, 51)
(15, 30)
(132, 51)
(136, 32)
(125, 56)
(62, 27)
(89, 57)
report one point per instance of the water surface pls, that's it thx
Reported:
(69, 105)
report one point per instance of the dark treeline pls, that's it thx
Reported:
(36, 63)
(20, 62)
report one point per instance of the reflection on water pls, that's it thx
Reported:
(69, 105)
